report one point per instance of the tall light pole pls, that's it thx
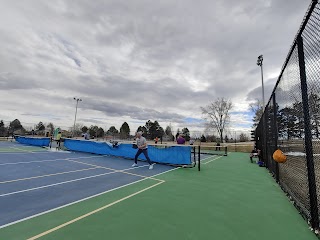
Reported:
(235, 141)
(221, 140)
(75, 116)
(259, 63)
(264, 142)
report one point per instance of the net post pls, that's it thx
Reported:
(50, 144)
(226, 151)
(199, 158)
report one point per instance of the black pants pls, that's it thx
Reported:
(145, 153)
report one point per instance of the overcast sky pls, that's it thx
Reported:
(138, 60)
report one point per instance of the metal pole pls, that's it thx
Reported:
(199, 158)
(264, 140)
(235, 141)
(75, 118)
(308, 138)
(262, 86)
(275, 127)
(260, 64)
(221, 140)
(75, 115)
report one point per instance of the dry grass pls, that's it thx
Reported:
(240, 148)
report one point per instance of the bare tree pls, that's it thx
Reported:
(217, 115)
(243, 137)
(50, 126)
(77, 129)
(196, 135)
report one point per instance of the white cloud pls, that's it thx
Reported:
(134, 61)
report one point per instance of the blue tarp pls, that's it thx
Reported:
(33, 141)
(160, 153)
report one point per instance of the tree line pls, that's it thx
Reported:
(150, 130)
(290, 119)
(15, 127)
(216, 115)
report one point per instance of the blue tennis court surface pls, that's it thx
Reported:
(35, 180)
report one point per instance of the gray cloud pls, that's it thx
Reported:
(15, 81)
(140, 60)
(256, 93)
(135, 112)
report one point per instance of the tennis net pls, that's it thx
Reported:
(166, 154)
(179, 155)
(211, 150)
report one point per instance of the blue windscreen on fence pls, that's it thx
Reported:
(33, 141)
(160, 154)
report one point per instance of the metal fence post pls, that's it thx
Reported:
(275, 127)
(199, 156)
(308, 137)
(265, 136)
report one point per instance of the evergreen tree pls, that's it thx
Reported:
(124, 131)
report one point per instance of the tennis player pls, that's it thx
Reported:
(58, 139)
(142, 148)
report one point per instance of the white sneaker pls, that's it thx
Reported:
(151, 166)
(134, 165)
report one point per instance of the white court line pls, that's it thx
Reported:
(83, 199)
(62, 159)
(37, 152)
(21, 149)
(60, 183)
(207, 158)
(47, 175)
(212, 160)
(20, 153)
(203, 161)
(79, 179)
(49, 160)
(112, 169)
(27, 146)
(93, 212)
(55, 184)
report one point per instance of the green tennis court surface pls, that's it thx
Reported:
(229, 199)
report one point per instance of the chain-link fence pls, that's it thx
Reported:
(291, 120)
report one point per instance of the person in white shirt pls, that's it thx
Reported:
(142, 148)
